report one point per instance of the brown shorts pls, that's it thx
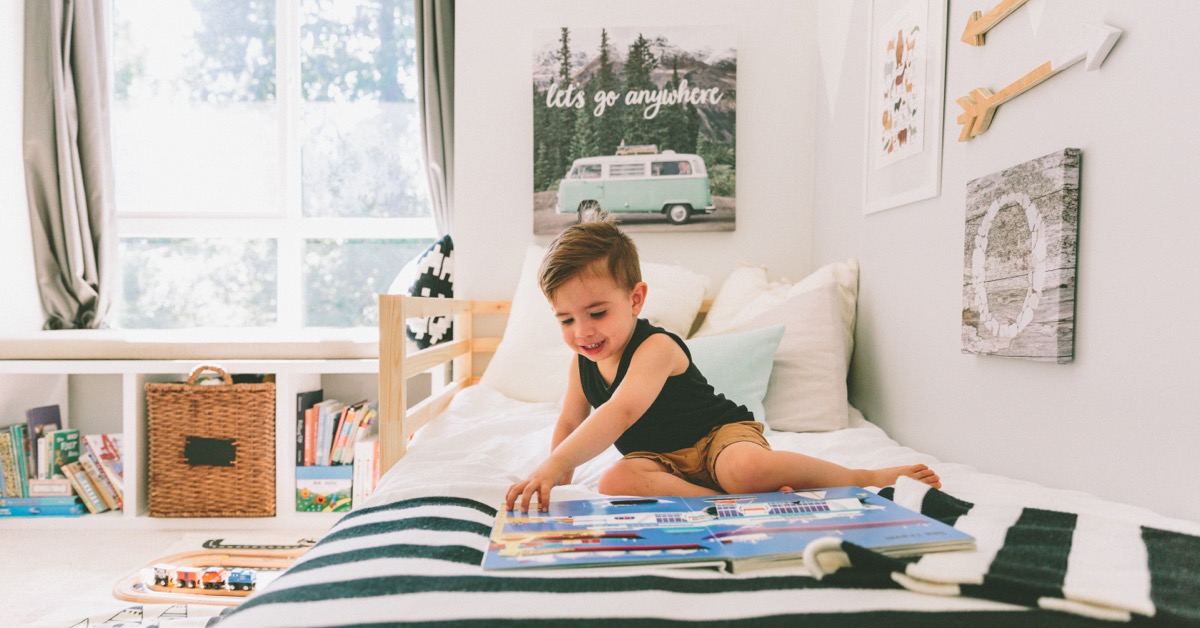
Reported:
(698, 464)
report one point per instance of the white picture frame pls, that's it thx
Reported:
(905, 102)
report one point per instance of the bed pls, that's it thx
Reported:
(411, 553)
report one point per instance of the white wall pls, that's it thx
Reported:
(1122, 420)
(21, 310)
(493, 221)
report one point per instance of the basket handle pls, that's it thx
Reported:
(208, 367)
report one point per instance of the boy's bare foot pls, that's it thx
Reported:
(919, 472)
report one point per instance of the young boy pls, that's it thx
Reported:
(678, 436)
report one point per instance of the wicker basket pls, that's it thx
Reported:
(212, 448)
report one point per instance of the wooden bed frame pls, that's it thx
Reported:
(451, 365)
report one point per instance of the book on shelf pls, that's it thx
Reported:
(105, 450)
(304, 401)
(343, 451)
(84, 488)
(55, 487)
(62, 448)
(40, 421)
(364, 426)
(14, 478)
(731, 532)
(331, 411)
(64, 500)
(11, 484)
(366, 466)
(108, 493)
(23, 508)
(324, 488)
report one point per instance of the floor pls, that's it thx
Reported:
(56, 577)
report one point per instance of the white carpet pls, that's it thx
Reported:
(54, 578)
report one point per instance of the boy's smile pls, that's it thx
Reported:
(596, 317)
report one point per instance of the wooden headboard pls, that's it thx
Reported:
(451, 365)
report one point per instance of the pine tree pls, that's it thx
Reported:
(638, 68)
(564, 117)
(607, 128)
(672, 123)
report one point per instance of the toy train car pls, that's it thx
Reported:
(212, 579)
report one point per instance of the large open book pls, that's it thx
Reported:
(733, 532)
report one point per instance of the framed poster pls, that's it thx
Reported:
(640, 123)
(905, 98)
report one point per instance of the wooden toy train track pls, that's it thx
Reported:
(138, 588)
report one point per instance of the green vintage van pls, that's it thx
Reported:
(669, 183)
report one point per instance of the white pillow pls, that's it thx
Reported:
(531, 361)
(673, 297)
(807, 390)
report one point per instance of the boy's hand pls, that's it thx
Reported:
(539, 483)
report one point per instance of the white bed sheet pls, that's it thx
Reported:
(485, 441)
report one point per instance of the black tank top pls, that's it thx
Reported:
(686, 409)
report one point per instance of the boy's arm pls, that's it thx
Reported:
(655, 360)
(575, 409)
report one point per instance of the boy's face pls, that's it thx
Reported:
(595, 316)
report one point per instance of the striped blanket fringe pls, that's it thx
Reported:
(416, 561)
(1059, 561)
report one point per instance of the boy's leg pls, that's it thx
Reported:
(645, 477)
(746, 467)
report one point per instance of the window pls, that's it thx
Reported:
(627, 170)
(670, 168)
(267, 160)
(586, 172)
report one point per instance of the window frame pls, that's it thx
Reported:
(285, 223)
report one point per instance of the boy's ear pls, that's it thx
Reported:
(638, 296)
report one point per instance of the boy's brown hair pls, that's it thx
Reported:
(582, 245)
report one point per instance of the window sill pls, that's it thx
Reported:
(192, 344)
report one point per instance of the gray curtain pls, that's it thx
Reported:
(435, 74)
(68, 160)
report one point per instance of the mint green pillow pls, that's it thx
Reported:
(738, 365)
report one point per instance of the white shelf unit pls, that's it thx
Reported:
(109, 396)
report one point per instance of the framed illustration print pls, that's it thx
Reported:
(902, 160)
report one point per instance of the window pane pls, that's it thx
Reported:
(178, 282)
(360, 128)
(343, 277)
(194, 114)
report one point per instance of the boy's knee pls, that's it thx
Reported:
(740, 473)
(614, 481)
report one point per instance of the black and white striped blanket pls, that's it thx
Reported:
(416, 561)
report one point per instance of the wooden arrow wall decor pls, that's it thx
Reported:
(980, 23)
(979, 106)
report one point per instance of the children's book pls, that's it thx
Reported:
(20, 443)
(71, 510)
(304, 401)
(731, 532)
(83, 487)
(40, 506)
(41, 420)
(324, 488)
(105, 451)
(63, 448)
(57, 487)
(10, 469)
